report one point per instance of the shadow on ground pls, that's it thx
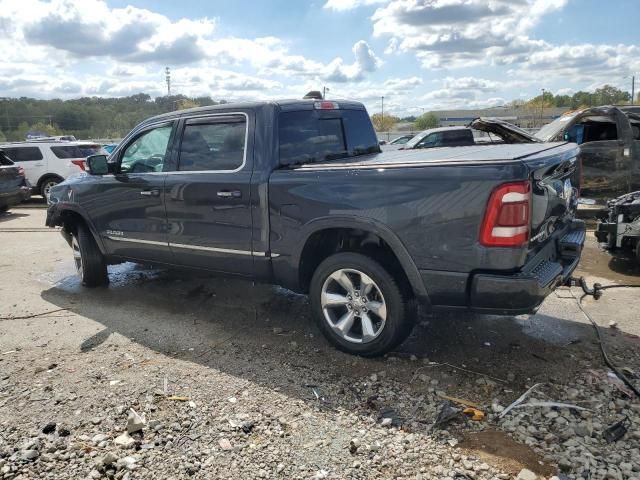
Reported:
(265, 335)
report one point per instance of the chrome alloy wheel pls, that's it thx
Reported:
(47, 188)
(353, 306)
(77, 256)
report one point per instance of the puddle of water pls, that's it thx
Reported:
(64, 276)
(620, 266)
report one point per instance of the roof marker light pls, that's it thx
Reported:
(326, 105)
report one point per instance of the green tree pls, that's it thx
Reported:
(427, 120)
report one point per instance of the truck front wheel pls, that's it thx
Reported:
(359, 306)
(89, 261)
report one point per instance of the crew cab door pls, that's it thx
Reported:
(128, 207)
(208, 198)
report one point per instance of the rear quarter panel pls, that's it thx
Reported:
(434, 211)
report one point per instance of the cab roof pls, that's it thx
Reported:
(283, 105)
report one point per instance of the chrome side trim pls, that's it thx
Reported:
(212, 249)
(136, 240)
(192, 247)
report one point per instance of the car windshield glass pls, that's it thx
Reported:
(317, 135)
(551, 130)
(416, 139)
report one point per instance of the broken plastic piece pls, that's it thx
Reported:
(520, 399)
(474, 414)
(616, 431)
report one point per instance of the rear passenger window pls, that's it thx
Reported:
(75, 151)
(215, 146)
(23, 154)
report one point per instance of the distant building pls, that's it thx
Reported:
(525, 117)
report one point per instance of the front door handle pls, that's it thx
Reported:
(230, 194)
(150, 193)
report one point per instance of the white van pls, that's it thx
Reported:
(47, 163)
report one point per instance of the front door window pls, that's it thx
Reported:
(148, 152)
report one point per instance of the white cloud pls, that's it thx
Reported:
(342, 5)
(461, 33)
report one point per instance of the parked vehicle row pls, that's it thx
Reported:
(298, 193)
(14, 187)
(609, 140)
(48, 162)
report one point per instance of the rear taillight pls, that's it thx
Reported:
(80, 163)
(506, 220)
(21, 171)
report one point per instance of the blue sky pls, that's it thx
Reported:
(419, 54)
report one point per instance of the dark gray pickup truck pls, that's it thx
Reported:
(297, 193)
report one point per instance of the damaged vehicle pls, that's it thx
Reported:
(298, 193)
(621, 228)
(609, 140)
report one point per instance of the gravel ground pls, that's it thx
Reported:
(163, 375)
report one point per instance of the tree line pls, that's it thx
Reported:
(97, 117)
(606, 95)
(89, 117)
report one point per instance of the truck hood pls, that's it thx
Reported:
(505, 130)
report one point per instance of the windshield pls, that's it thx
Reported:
(317, 135)
(416, 139)
(551, 130)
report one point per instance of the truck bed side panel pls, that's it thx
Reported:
(435, 211)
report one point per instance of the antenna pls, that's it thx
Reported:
(168, 78)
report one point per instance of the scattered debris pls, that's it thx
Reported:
(225, 444)
(135, 422)
(460, 401)
(552, 405)
(354, 444)
(49, 428)
(607, 376)
(519, 400)
(474, 414)
(616, 431)
(178, 398)
(447, 413)
(114, 382)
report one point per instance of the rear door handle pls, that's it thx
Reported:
(150, 193)
(230, 194)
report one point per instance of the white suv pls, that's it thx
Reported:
(47, 163)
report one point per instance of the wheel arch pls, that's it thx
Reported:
(306, 259)
(68, 217)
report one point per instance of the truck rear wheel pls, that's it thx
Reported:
(88, 259)
(359, 306)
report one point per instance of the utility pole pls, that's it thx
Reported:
(542, 109)
(633, 87)
(168, 79)
(324, 93)
(382, 113)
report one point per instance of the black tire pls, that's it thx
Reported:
(92, 267)
(4, 208)
(46, 183)
(400, 307)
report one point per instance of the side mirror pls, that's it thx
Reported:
(382, 142)
(97, 165)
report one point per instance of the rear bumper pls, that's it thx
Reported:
(15, 197)
(512, 293)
